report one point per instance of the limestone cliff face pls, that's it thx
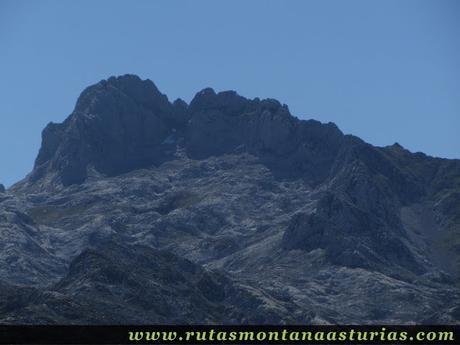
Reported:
(117, 126)
(124, 124)
(211, 192)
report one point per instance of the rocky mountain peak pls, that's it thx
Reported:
(123, 123)
(140, 91)
(227, 102)
(116, 126)
(136, 194)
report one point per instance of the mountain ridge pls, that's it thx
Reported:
(232, 184)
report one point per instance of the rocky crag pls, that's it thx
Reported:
(224, 210)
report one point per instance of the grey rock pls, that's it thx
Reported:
(117, 126)
(226, 210)
(350, 236)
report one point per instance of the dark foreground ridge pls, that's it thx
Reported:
(224, 210)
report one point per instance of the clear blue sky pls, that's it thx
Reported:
(386, 71)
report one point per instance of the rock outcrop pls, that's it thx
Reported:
(117, 126)
(124, 124)
(350, 236)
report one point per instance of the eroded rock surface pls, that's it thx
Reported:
(224, 210)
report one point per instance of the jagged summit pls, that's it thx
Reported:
(122, 123)
(116, 126)
(229, 102)
(142, 90)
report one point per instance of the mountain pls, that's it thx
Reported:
(224, 210)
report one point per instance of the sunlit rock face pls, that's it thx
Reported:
(224, 210)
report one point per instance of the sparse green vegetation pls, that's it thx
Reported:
(47, 215)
